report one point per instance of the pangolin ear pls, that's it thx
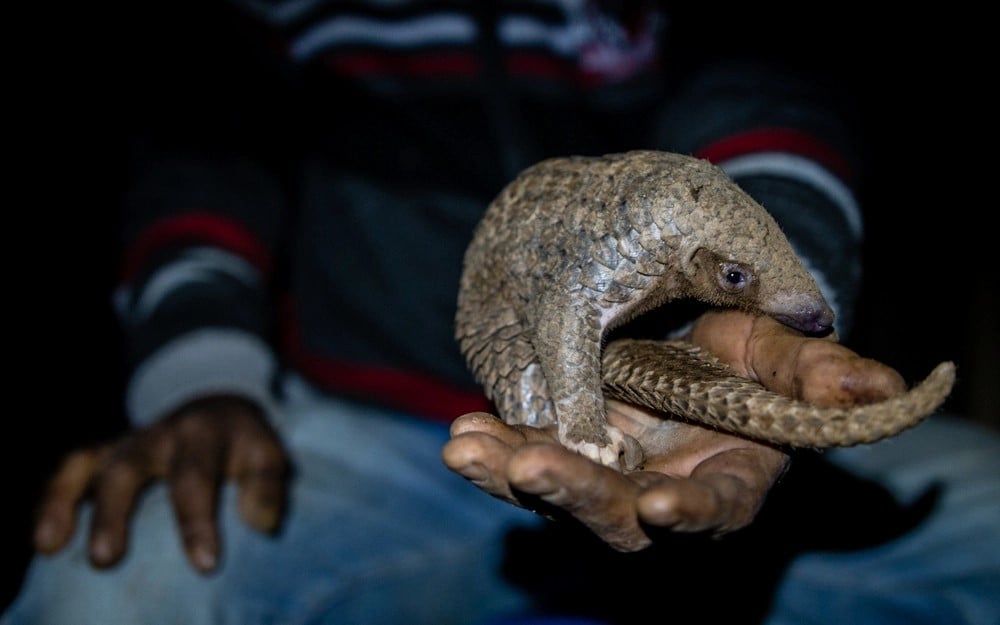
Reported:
(699, 272)
(701, 262)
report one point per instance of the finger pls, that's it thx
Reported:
(474, 422)
(56, 516)
(680, 504)
(815, 370)
(724, 492)
(832, 375)
(601, 498)
(725, 334)
(261, 468)
(263, 499)
(785, 361)
(116, 487)
(512, 435)
(194, 481)
(482, 459)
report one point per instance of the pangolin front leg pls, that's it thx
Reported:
(567, 342)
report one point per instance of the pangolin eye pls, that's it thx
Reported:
(734, 277)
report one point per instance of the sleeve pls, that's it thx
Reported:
(790, 143)
(204, 208)
(200, 237)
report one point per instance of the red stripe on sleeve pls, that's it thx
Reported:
(402, 390)
(202, 228)
(777, 140)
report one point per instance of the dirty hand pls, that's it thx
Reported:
(194, 450)
(693, 479)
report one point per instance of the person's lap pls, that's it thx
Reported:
(380, 531)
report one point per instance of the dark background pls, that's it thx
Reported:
(929, 203)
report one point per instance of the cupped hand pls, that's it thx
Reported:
(194, 450)
(693, 479)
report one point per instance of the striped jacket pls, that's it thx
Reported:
(305, 174)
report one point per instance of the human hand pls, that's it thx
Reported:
(693, 479)
(193, 450)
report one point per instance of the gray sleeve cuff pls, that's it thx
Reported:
(204, 362)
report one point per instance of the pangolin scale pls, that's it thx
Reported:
(576, 246)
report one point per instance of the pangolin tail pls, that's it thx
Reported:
(683, 380)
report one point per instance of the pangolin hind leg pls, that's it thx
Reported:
(500, 354)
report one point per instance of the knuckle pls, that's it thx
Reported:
(194, 426)
(191, 473)
(120, 473)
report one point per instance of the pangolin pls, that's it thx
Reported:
(576, 246)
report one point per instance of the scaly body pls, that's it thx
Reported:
(576, 246)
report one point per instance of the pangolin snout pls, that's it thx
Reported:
(814, 320)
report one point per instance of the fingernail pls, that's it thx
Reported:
(100, 550)
(474, 471)
(203, 558)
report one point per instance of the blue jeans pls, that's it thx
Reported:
(945, 571)
(380, 532)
